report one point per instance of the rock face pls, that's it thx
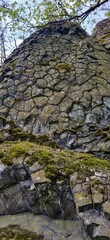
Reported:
(59, 78)
(55, 94)
(42, 225)
(60, 184)
(44, 197)
(102, 32)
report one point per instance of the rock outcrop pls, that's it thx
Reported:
(55, 112)
(59, 80)
(102, 33)
(60, 184)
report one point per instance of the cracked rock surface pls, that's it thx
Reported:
(59, 78)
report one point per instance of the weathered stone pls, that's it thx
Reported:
(83, 201)
(90, 118)
(17, 198)
(77, 114)
(105, 146)
(73, 179)
(102, 32)
(52, 200)
(49, 228)
(35, 167)
(39, 177)
(97, 226)
(107, 102)
(97, 197)
(101, 232)
(12, 175)
(77, 188)
(106, 209)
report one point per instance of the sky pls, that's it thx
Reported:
(88, 26)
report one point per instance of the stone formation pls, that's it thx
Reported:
(55, 134)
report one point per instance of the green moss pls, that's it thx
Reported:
(21, 135)
(1, 154)
(44, 140)
(2, 118)
(100, 132)
(51, 144)
(41, 139)
(51, 171)
(103, 134)
(16, 150)
(57, 163)
(16, 233)
(16, 130)
(1, 136)
(18, 134)
(95, 182)
(85, 164)
(72, 130)
(65, 66)
(42, 156)
(68, 162)
(32, 138)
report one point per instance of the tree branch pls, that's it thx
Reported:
(91, 9)
(85, 14)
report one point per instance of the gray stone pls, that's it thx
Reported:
(17, 199)
(77, 114)
(49, 228)
(51, 200)
(106, 208)
(107, 102)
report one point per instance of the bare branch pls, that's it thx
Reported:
(85, 14)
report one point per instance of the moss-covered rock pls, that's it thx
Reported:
(16, 233)
(57, 163)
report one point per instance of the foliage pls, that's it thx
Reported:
(18, 20)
